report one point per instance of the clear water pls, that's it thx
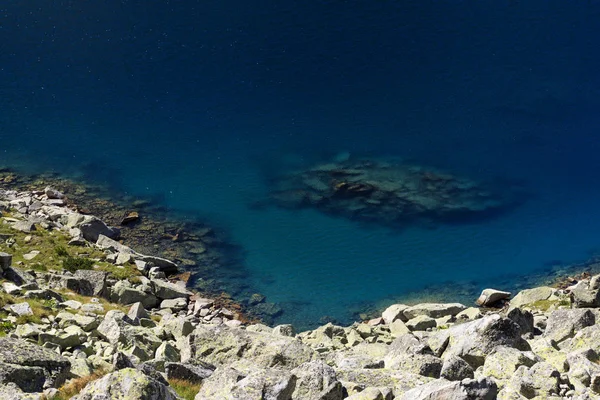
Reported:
(194, 103)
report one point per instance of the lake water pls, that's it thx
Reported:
(196, 103)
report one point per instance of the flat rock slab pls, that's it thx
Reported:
(434, 310)
(22, 353)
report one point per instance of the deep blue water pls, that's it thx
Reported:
(195, 102)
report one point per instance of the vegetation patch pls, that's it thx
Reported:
(185, 389)
(74, 386)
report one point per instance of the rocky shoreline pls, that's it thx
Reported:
(85, 316)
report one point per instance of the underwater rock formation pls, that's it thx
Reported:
(386, 193)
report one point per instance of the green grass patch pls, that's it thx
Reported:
(185, 389)
(73, 264)
(545, 305)
(74, 386)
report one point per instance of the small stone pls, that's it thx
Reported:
(11, 288)
(52, 193)
(20, 309)
(31, 255)
(72, 304)
(130, 217)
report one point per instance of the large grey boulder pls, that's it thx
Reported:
(398, 381)
(504, 361)
(456, 369)
(106, 243)
(541, 380)
(221, 345)
(77, 285)
(408, 354)
(18, 276)
(473, 341)
(166, 266)
(194, 373)
(96, 280)
(20, 355)
(467, 389)
(583, 366)
(563, 324)
(127, 383)
(92, 227)
(11, 391)
(231, 384)
(531, 296)
(167, 290)
(587, 293)
(122, 293)
(523, 318)
(316, 381)
(28, 379)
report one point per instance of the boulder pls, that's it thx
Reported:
(284, 330)
(24, 226)
(489, 297)
(394, 312)
(370, 393)
(220, 345)
(106, 243)
(316, 381)
(92, 227)
(127, 383)
(587, 293)
(167, 352)
(137, 311)
(583, 366)
(563, 324)
(122, 293)
(5, 261)
(523, 318)
(421, 323)
(167, 290)
(18, 276)
(166, 266)
(530, 296)
(18, 353)
(11, 391)
(467, 389)
(176, 326)
(77, 285)
(28, 379)
(398, 381)
(456, 369)
(504, 361)
(96, 280)
(540, 380)
(52, 193)
(19, 309)
(433, 310)
(473, 341)
(195, 373)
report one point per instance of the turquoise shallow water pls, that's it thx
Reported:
(195, 106)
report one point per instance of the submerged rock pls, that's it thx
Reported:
(385, 193)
